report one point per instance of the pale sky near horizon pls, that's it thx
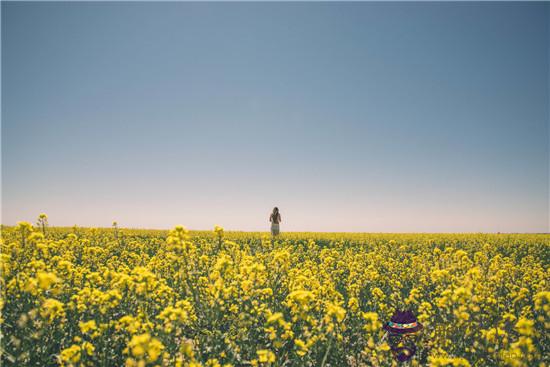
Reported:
(371, 117)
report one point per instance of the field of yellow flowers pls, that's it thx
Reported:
(121, 297)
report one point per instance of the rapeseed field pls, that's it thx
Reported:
(122, 297)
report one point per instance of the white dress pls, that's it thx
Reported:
(274, 229)
(274, 226)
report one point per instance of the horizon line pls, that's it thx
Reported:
(267, 231)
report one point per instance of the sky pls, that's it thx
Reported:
(366, 117)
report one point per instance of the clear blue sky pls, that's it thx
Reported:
(347, 116)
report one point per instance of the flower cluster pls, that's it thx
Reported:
(120, 297)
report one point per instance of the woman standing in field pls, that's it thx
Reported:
(275, 219)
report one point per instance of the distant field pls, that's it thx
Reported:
(114, 297)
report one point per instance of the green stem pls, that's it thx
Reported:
(326, 353)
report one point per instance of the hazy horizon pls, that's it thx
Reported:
(267, 231)
(350, 117)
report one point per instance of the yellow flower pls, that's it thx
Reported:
(413, 296)
(213, 362)
(353, 304)
(301, 297)
(45, 280)
(274, 318)
(180, 314)
(31, 286)
(461, 314)
(378, 293)
(448, 361)
(334, 310)
(265, 356)
(525, 327)
(493, 335)
(85, 327)
(71, 355)
(24, 226)
(88, 348)
(52, 309)
(218, 230)
(542, 302)
(37, 237)
(302, 347)
(372, 323)
(145, 347)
